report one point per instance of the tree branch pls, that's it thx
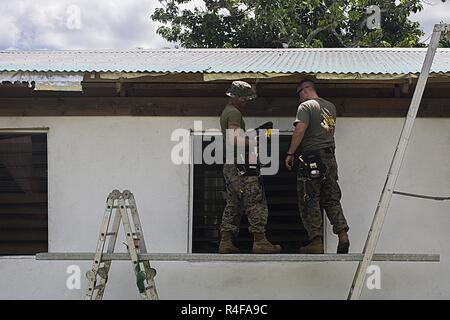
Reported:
(338, 37)
(315, 32)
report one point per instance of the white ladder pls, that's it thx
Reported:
(394, 169)
(122, 204)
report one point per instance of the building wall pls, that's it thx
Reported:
(90, 156)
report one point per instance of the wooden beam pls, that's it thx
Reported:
(262, 90)
(208, 106)
(405, 88)
(291, 78)
(397, 91)
(170, 77)
(212, 257)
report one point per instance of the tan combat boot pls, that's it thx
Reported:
(315, 247)
(226, 243)
(262, 245)
(344, 243)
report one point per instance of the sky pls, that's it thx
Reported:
(113, 24)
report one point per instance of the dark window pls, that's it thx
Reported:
(23, 193)
(284, 225)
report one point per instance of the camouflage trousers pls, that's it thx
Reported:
(244, 194)
(317, 194)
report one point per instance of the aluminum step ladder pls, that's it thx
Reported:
(122, 205)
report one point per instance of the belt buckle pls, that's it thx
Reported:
(240, 172)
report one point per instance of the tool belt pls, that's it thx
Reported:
(310, 163)
(244, 167)
(248, 170)
(251, 168)
(311, 168)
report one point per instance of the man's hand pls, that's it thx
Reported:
(289, 162)
(296, 139)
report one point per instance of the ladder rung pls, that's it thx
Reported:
(110, 234)
(98, 287)
(117, 207)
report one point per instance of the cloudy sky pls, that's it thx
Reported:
(111, 24)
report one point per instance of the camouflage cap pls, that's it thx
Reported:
(241, 89)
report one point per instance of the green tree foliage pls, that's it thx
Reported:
(445, 42)
(295, 23)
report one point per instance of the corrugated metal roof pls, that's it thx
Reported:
(329, 60)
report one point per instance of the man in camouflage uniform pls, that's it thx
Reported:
(243, 192)
(317, 178)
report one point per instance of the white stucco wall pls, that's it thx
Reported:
(90, 156)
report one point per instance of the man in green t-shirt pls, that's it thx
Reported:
(244, 193)
(317, 178)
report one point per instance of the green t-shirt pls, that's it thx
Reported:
(320, 115)
(231, 115)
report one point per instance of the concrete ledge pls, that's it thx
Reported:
(212, 257)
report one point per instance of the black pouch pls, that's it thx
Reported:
(248, 170)
(311, 166)
(253, 168)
